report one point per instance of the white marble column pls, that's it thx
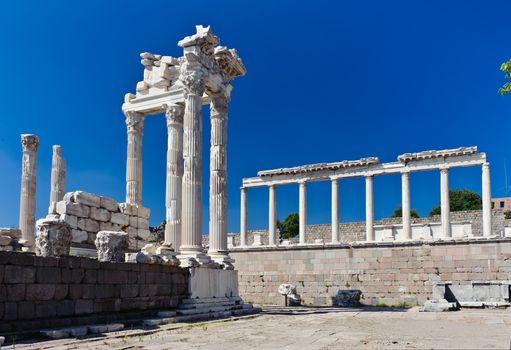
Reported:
(243, 217)
(191, 229)
(30, 144)
(486, 189)
(444, 203)
(135, 125)
(335, 211)
(302, 213)
(369, 209)
(218, 181)
(272, 227)
(58, 179)
(405, 205)
(174, 115)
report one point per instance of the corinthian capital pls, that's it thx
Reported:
(135, 121)
(174, 114)
(194, 80)
(219, 105)
(29, 142)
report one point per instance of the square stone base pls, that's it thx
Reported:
(212, 283)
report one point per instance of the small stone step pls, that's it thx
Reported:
(65, 332)
(166, 314)
(104, 328)
(204, 310)
(159, 321)
(205, 300)
(205, 305)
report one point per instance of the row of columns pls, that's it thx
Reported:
(370, 233)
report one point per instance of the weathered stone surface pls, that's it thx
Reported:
(5, 240)
(108, 226)
(119, 218)
(347, 298)
(53, 238)
(104, 328)
(84, 306)
(144, 212)
(19, 274)
(441, 305)
(289, 290)
(75, 209)
(133, 221)
(128, 209)
(144, 234)
(142, 224)
(108, 204)
(89, 199)
(70, 219)
(111, 246)
(16, 292)
(100, 214)
(11, 232)
(40, 291)
(88, 225)
(79, 236)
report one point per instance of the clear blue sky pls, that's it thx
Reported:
(326, 81)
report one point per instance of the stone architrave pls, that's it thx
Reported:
(111, 246)
(30, 144)
(218, 183)
(58, 179)
(174, 116)
(135, 125)
(53, 237)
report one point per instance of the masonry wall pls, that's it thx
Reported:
(386, 273)
(36, 290)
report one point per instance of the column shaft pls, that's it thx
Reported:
(218, 180)
(272, 227)
(335, 211)
(302, 215)
(486, 189)
(135, 125)
(369, 209)
(58, 179)
(444, 203)
(243, 217)
(173, 193)
(405, 205)
(30, 144)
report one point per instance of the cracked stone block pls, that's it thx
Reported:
(53, 237)
(111, 246)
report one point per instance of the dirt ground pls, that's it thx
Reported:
(316, 328)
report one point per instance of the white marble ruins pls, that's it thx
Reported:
(30, 144)
(406, 164)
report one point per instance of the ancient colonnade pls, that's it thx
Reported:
(407, 163)
(179, 87)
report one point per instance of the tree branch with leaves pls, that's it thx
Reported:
(506, 68)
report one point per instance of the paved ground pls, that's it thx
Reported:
(317, 328)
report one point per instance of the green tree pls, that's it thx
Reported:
(290, 227)
(398, 212)
(506, 68)
(460, 200)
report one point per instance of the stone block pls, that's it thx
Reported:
(129, 291)
(16, 292)
(128, 209)
(144, 234)
(111, 246)
(88, 291)
(3, 293)
(71, 220)
(61, 291)
(79, 236)
(75, 291)
(10, 311)
(5, 240)
(11, 232)
(6, 248)
(92, 264)
(144, 212)
(75, 209)
(48, 275)
(65, 308)
(40, 292)
(112, 327)
(143, 223)
(90, 276)
(133, 221)
(84, 307)
(104, 291)
(53, 237)
(45, 309)
(108, 226)
(441, 305)
(108, 204)
(77, 275)
(26, 310)
(120, 219)
(88, 225)
(87, 199)
(19, 274)
(100, 214)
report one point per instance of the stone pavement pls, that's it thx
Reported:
(316, 328)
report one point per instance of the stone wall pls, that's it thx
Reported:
(87, 214)
(35, 290)
(388, 273)
(355, 231)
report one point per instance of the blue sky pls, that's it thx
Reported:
(326, 81)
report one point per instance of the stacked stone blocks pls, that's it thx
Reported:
(87, 214)
(34, 287)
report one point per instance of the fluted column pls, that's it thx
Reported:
(30, 144)
(135, 125)
(444, 203)
(335, 211)
(243, 217)
(58, 179)
(272, 225)
(302, 213)
(174, 116)
(191, 229)
(486, 189)
(369, 209)
(218, 180)
(405, 205)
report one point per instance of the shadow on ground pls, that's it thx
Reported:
(314, 310)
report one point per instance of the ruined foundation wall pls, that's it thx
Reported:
(386, 273)
(37, 292)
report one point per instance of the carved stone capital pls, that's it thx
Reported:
(444, 170)
(193, 80)
(174, 114)
(29, 142)
(219, 104)
(135, 121)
